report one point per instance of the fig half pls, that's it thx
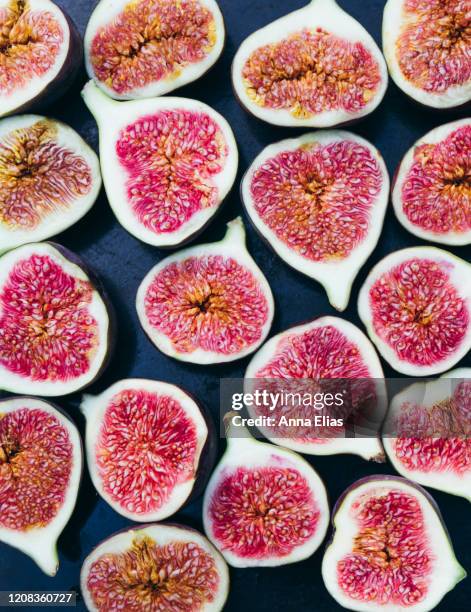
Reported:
(427, 433)
(320, 201)
(149, 448)
(147, 48)
(432, 191)
(416, 306)
(390, 549)
(155, 567)
(40, 54)
(264, 505)
(426, 44)
(207, 304)
(55, 332)
(49, 179)
(40, 471)
(327, 355)
(316, 67)
(167, 164)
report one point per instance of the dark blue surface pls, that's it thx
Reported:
(122, 262)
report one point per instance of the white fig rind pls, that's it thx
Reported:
(106, 12)
(336, 277)
(112, 117)
(94, 409)
(41, 543)
(459, 272)
(325, 14)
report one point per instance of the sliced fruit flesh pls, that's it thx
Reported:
(391, 562)
(145, 448)
(147, 576)
(151, 40)
(172, 159)
(436, 193)
(317, 198)
(263, 512)
(30, 42)
(36, 458)
(436, 438)
(418, 312)
(46, 330)
(210, 302)
(38, 176)
(433, 45)
(310, 72)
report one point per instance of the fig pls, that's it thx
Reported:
(40, 54)
(55, 332)
(426, 44)
(315, 67)
(146, 48)
(390, 548)
(49, 179)
(155, 567)
(209, 303)
(40, 471)
(149, 448)
(320, 201)
(432, 193)
(167, 164)
(427, 433)
(327, 355)
(264, 506)
(416, 306)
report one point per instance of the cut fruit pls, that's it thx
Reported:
(150, 449)
(147, 48)
(40, 54)
(327, 355)
(55, 335)
(167, 164)
(207, 304)
(427, 434)
(426, 44)
(416, 306)
(40, 471)
(264, 506)
(155, 567)
(390, 549)
(315, 67)
(320, 201)
(49, 179)
(432, 192)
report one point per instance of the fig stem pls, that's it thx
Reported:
(97, 102)
(234, 432)
(235, 231)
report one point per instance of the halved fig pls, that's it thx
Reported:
(416, 306)
(315, 67)
(147, 48)
(432, 192)
(55, 334)
(167, 164)
(390, 549)
(207, 304)
(426, 44)
(40, 471)
(427, 433)
(149, 448)
(40, 54)
(320, 201)
(155, 567)
(49, 179)
(327, 355)
(264, 505)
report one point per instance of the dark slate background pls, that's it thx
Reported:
(122, 262)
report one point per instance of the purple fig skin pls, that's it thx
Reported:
(63, 81)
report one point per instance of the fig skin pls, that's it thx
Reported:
(63, 81)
